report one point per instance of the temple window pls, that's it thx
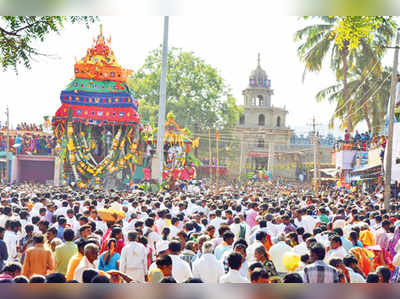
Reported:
(260, 143)
(241, 120)
(261, 120)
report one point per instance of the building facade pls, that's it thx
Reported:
(265, 136)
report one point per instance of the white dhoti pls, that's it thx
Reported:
(136, 273)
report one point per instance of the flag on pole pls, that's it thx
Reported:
(217, 134)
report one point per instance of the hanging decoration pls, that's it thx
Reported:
(97, 126)
(178, 163)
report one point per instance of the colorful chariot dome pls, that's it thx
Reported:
(99, 93)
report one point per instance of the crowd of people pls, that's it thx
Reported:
(361, 142)
(28, 143)
(24, 127)
(255, 233)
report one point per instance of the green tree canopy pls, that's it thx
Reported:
(18, 34)
(348, 43)
(196, 93)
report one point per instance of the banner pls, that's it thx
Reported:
(374, 157)
(344, 159)
(361, 160)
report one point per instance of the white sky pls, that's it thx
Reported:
(228, 43)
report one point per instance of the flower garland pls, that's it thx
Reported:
(84, 167)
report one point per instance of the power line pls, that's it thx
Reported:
(369, 98)
(359, 86)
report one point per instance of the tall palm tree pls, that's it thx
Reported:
(370, 95)
(318, 43)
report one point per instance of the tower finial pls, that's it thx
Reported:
(101, 29)
(258, 59)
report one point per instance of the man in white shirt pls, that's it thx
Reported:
(133, 261)
(71, 220)
(277, 251)
(233, 275)
(91, 252)
(350, 262)
(302, 220)
(11, 239)
(240, 230)
(217, 221)
(7, 215)
(173, 227)
(160, 222)
(151, 235)
(336, 249)
(63, 210)
(180, 269)
(261, 238)
(207, 268)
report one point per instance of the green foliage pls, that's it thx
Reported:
(370, 93)
(195, 91)
(350, 30)
(354, 47)
(18, 35)
(171, 115)
(191, 158)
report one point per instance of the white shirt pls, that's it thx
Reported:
(355, 277)
(275, 229)
(216, 222)
(208, 269)
(235, 228)
(180, 269)
(308, 223)
(10, 238)
(101, 225)
(301, 249)
(3, 220)
(153, 238)
(61, 211)
(396, 259)
(250, 250)
(276, 252)
(244, 270)
(160, 224)
(233, 276)
(35, 209)
(252, 237)
(133, 256)
(173, 231)
(83, 265)
(339, 252)
(73, 223)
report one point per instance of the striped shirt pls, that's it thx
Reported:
(320, 272)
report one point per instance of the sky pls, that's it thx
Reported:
(230, 44)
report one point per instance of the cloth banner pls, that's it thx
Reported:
(374, 157)
(344, 159)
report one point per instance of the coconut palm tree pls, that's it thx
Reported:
(317, 43)
(370, 95)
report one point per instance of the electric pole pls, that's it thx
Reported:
(217, 153)
(163, 97)
(271, 155)
(389, 143)
(7, 145)
(210, 163)
(315, 141)
(241, 157)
